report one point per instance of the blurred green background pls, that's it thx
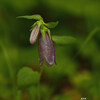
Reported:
(74, 77)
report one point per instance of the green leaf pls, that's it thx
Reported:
(36, 17)
(52, 24)
(27, 77)
(64, 39)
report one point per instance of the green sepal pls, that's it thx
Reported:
(49, 33)
(33, 26)
(37, 22)
(43, 31)
(51, 24)
(36, 17)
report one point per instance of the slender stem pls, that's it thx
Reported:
(91, 34)
(39, 96)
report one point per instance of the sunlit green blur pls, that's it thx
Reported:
(77, 73)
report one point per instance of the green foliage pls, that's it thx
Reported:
(26, 77)
(36, 17)
(52, 24)
(64, 39)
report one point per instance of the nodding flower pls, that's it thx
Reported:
(34, 34)
(46, 50)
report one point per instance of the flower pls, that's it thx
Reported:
(34, 34)
(46, 50)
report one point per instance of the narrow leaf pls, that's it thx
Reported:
(36, 17)
(88, 39)
(52, 24)
(64, 39)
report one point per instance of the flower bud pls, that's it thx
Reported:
(34, 34)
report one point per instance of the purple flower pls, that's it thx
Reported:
(34, 34)
(46, 50)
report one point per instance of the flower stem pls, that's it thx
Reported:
(39, 96)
